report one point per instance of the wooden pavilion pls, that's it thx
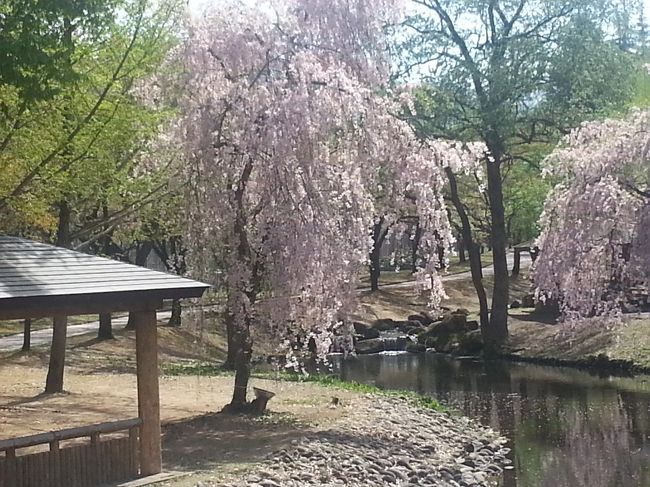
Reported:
(39, 280)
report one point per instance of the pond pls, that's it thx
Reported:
(566, 427)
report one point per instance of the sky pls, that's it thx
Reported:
(198, 5)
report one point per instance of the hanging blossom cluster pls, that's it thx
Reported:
(293, 147)
(273, 124)
(426, 181)
(423, 180)
(406, 177)
(595, 239)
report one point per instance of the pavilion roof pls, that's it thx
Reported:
(37, 276)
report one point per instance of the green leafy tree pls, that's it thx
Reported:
(76, 156)
(512, 74)
(38, 40)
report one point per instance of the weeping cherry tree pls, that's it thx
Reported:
(595, 240)
(272, 121)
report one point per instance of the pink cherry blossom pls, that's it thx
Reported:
(595, 240)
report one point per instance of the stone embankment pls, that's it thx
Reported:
(449, 332)
(385, 441)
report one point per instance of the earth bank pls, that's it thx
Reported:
(312, 435)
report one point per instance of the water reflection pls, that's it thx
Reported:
(567, 427)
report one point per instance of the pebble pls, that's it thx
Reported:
(386, 441)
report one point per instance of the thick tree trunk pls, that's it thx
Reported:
(175, 318)
(476, 268)
(105, 327)
(516, 266)
(27, 335)
(241, 300)
(441, 257)
(378, 236)
(244, 350)
(54, 381)
(375, 269)
(498, 330)
(63, 229)
(142, 251)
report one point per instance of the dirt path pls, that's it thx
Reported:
(44, 337)
(488, 271)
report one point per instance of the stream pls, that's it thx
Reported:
(566, 427)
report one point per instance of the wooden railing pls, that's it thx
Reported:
(82, 464)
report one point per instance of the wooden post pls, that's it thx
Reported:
(146, 339)
(54, 381)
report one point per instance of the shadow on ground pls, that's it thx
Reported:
(204, 442)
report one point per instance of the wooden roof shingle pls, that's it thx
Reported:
(34, 274)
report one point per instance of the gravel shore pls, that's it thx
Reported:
(385, 441)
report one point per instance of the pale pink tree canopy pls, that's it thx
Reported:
(289, 127)
(595, 239)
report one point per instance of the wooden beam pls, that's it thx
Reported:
(69, 433)
(146, 337)
(78, 305)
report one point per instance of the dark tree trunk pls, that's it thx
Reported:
(54, 381)
(105, 327)
(441, 257)
(63, 230)
(498, 330)
(462, 258)
(175, 318)
(238, 310)
(27, 335)
(415, 247)
(476, 268)
(516, 266)
(244, 350)
(229, 364)
(142, 251)
(378, 236)
(375, 269)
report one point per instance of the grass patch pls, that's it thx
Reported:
(333, 381)
(193, 368)
(207, 369)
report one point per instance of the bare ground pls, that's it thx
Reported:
(100, 386)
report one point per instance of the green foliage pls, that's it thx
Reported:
(38, 40)
(519, 80)
(588, 76)
(90, 141)
(525, 192)
(641, 90)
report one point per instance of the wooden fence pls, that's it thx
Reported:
(86, 463)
